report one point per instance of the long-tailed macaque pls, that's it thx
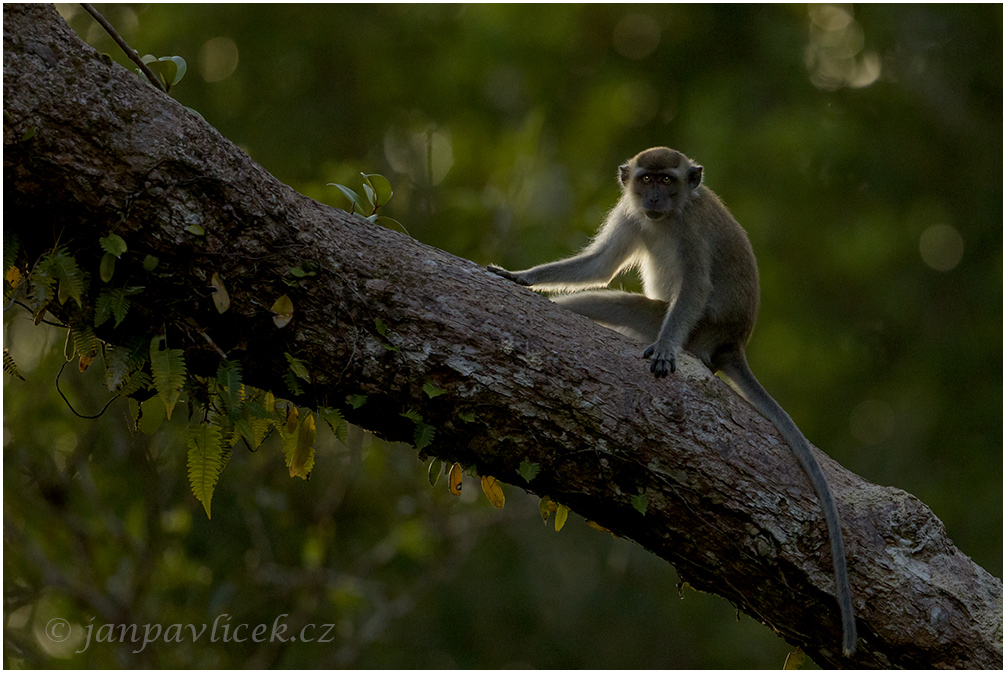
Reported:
(700, 293)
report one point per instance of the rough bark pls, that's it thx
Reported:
(727, 503)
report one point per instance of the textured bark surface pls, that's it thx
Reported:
(727, 502)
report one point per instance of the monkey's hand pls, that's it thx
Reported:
(509, 275)
(662, 359)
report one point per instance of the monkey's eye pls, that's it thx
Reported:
(666, 179)
(645, 179)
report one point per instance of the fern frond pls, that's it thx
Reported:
(122, 361)
(9, 365)
(232, 390)
(11, 247)
(206, 460)
(63, 267)
(115, 303)
(336, 421)
(168, 368)
(85, 342)
(298, 367)
(423, 435)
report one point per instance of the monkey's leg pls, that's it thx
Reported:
(632, 314)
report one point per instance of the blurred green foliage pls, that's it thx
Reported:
(861, 149)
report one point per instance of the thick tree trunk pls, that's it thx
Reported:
(727, 503)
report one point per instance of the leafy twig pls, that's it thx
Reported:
(133, 56)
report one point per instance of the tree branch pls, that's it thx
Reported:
(726, 502)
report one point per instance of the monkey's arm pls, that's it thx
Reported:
(684, 313)
(612, 250)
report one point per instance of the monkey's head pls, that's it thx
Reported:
(659, 181)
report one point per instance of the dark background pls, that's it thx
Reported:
(861, 149)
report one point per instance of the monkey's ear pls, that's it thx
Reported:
(694, 176)
(623, 174)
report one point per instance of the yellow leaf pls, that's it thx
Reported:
(13, 276)
(302, 459)
(283, 309)
(292, 415)
(794, 660)
(597, 526)
(85, 361)
(561, 513)
(455, 478)
(545, 507)
(493, 491)
(220, 297)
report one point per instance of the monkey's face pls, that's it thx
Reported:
(660, 182)
(659, 194)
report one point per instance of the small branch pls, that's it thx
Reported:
(70, 406)
(133, 56)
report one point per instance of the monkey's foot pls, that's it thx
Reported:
(662, 362)
(509, 275)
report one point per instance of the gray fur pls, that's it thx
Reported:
(700, 293)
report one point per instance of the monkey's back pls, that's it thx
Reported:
(733, 303)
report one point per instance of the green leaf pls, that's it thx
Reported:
(168, 368)
(431, 390)
(107, 267)
(357, 401)
(206, 460)
(379, 187)
(390, 223)
(150, 262)
(196, 229)
(467, 416)
(180, 65)
(361, 204)
(336, 422)
(11, 247)
(381, 328)
(231, 388)
(371, 194)
(113, 244)
(640, 502)
(298, 367)
(528, 470)
(291, 383)
(412, 415)
(84, 340)
(423, 436)
(135, 382)
(436, 469)
(122, 360)
(62, 267)
(152, 413)
(170, 69)
(113, 303)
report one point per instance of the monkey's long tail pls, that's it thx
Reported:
(740, 373)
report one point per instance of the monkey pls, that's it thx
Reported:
(700, 293)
